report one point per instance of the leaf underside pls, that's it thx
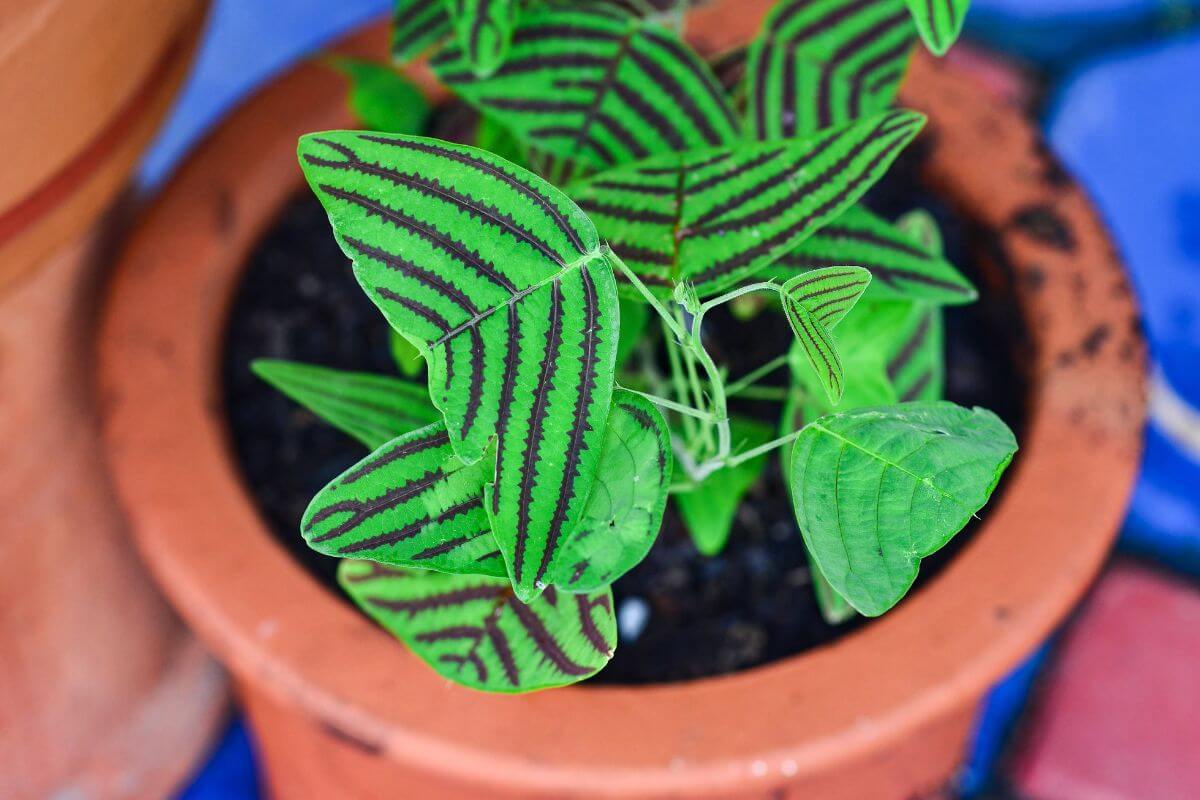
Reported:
(820, 63)
(900, 267)
(595, 86)
(371, 408)
(413, 503)
(715, 217)
(502, 283)
(876, 490)
(472, 630)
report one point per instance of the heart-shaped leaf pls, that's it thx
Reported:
(716, 217)
(503, 284)
(472, 630)
(418, 25)
(818, 63)
(876, 490)
(598, 87)
(411, 502)
(815, 302)
(939, 21)
(371, 408)
(484, 31)
(624, 512)
(900, 266)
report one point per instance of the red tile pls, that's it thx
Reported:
(1118, 717)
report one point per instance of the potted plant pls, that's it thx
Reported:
(568, 337)
(105, 693)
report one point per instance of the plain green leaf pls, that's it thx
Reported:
(504, 285)
(920, 226)
(709, 510)
(371, 408)
(833, 607)
(635, 315)
(382, 99)
(474, 632)
(878, 489)
(406, 356)
(716, 217)
(624, 512)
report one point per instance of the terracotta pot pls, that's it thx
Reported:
(102, 692)
(340, 709)
(85, 84)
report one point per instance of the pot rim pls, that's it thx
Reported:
(1042, 542)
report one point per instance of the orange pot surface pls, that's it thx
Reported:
(341, 709)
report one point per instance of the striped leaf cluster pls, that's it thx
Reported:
(598, 87)
(715, 217)
(412, 502)
(818, 63)
(815, 303)
(502, 283)
(418, 25)
(878, 489)
(474, 631)
(484, 30)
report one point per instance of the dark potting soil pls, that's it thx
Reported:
(700, 616)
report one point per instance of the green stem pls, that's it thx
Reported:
(755, 452)
(761, 286)
(687, 411)
(751, 377)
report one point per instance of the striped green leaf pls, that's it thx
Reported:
(382, 99)
(709, 509)
(411, 502)
(598, 87)
(814, 303)
(902, 268)
(417, 25)
(503, 284)
(876, 490)
(913, 335)
(818, 63)
(939, 21)
(625, 509)
(716, 217)
(371, 408)
(483, 29)
(473, 631)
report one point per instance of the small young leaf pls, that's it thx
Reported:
(815, 302)
(818, 63)
(503, 283)
(920, 226)
(716, 217)
(709, 510)
(901, 267)
(876, 490)
(411, 502)
(940, 22)
(611, 89)
(406, 356)
(472, 630)
(418, 25)
(484, 30)
(624, 512)
(382, 99)
(371, 408)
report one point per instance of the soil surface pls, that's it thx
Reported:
(695, 616)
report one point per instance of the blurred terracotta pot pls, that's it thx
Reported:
(84, 84)
(102, 692)
(341, 710)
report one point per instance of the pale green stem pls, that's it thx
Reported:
(751, 377)
(755, 452)
(672, 405)
(762, 286)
